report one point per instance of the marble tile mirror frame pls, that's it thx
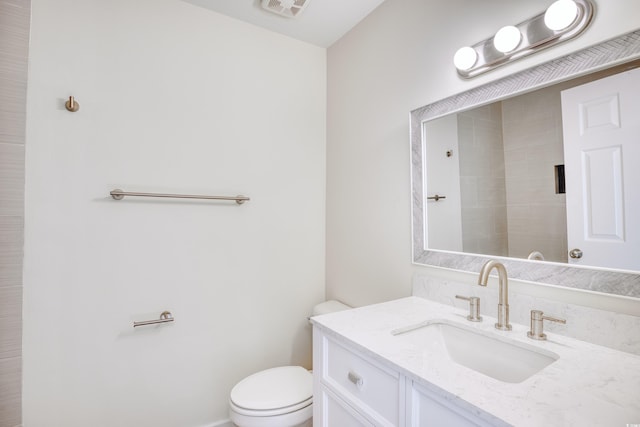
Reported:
(604, 55)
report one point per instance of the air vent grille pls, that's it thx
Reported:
(287, 8)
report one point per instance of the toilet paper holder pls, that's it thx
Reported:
(165, 317)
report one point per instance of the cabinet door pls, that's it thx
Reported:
(336, 413)
(428, 409)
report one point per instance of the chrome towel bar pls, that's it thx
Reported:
(118, 194)
(165, 317)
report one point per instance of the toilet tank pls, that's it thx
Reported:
(330, 306)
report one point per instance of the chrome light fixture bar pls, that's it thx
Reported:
(562, 21)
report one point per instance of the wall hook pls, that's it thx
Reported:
(72, 105)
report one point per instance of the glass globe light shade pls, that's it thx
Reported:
(465, 58)
(507, 39)
(561, 14)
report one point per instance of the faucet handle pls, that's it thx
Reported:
(474, 308)
(537, 325)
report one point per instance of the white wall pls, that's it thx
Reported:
(173, 98)
(397, 59)
(444, 218)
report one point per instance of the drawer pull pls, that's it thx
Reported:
(356, 379)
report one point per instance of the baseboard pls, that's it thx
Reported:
(222, 423)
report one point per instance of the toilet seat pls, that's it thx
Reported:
(273, 392)
(271, 412)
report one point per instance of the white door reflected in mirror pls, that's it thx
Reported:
(602, 154)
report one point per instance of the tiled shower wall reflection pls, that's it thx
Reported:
(508, 151)
(482, 181)
(14, 45)
(532, 134)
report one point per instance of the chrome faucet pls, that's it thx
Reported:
(503, 299)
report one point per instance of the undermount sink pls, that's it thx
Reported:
(494, 356)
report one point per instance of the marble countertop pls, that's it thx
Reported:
(589, 385)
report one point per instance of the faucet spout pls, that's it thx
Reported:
(503, 297)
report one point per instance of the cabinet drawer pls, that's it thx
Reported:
(337, 413)
(363, 382)
(429, 409)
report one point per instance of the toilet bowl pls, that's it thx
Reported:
(277, 397)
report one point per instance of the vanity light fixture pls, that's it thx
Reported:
(562, 21)
(465, 58)
(561, 15)
(507, 39)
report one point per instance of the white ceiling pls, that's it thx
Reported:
(321, 23)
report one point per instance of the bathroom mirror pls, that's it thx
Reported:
(472, 175)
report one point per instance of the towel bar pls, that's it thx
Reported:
(118, 194)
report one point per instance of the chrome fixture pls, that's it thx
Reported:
(436, 197)
(72, 105)
(165, 317)
(575, 253)
(118, 194)
(536, 256)
(474, 308)
(537, 325)
(355, 379)
(562, 21)
(503, 298)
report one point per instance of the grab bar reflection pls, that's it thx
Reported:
(165, 317)
(118, 194)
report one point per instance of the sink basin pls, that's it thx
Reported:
(484, 352)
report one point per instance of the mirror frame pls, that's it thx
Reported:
(617, 51)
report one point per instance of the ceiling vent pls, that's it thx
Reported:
(287, 8)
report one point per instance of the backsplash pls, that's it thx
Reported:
(606, 328)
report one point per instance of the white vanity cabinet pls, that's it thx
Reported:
(353, 389)
(336, 412)
(369, 371)
(425, 408)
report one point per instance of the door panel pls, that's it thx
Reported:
(604, 208)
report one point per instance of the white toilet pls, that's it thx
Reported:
(277, 397)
